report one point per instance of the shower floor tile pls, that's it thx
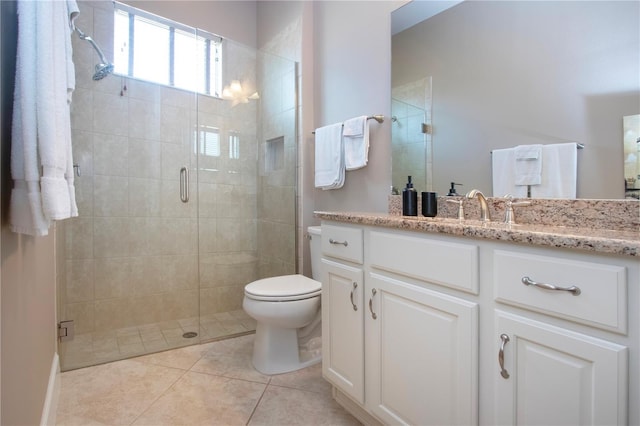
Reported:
(206, 384)
(96, 348)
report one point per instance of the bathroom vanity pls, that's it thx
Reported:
(437, 321)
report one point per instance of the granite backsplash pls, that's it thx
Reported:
(623, 215)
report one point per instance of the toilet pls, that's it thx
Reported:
(287, 311)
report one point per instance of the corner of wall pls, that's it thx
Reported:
(50, 409)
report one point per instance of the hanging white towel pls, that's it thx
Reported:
(528, 164)
(41, 133)
(356, 142)
(559, 172)
(329, 150)
(503, 174)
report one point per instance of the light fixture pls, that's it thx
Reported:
(237, 94)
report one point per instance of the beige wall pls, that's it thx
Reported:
(28, 292)
(352, 77)
(28, 324)
(344, 72)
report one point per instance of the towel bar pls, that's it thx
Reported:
(378, 117)
(578, 146)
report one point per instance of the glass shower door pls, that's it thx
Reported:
(128, 265)
(184, 198)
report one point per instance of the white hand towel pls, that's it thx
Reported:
(528, 152)
(503, 174)
(356, 142)
(329, 150)
(528, 164)
(559, 172)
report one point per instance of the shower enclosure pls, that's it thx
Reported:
(183, 199)
(411, 139)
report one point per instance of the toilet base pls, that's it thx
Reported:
(276, 350)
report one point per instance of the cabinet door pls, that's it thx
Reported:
(343, 328)
(422, 354)
(553, 376)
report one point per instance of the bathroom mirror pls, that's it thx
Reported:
(631, 124)
(513, 73)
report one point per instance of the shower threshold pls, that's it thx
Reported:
(105, 346)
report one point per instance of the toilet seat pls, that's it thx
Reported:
(283, 288)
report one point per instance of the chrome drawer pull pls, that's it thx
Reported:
(373, 293)
(355, 285)
(504, 373)
(332, 241)
(573, 289)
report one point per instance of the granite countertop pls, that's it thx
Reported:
(625, 243)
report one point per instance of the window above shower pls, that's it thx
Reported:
(155, 49)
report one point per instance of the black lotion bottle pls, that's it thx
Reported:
(409, 200)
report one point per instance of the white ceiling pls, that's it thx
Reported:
(417, 11)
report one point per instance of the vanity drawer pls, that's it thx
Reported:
(342, 242)
(602, 298)
(451, 264)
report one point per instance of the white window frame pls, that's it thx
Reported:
(212, 64)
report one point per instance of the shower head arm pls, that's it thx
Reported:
(83, 36)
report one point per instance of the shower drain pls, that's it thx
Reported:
(189, 334)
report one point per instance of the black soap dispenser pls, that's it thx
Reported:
(452, 190)
(409, 200)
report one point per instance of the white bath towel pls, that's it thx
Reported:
(503, 174)
(329, 150)
(356, 142)
(559, 172)
(528, 165)
(41, 134)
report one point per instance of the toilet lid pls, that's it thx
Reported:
(288, 287)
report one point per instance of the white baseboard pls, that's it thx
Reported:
(354, 408)
(50, 408)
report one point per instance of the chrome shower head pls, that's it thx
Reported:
(104, 68)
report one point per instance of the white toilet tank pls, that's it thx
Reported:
(315, 246)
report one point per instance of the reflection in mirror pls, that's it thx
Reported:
(410, 136)
(518, 73)
(631, 124)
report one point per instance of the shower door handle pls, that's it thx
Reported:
(184, 185)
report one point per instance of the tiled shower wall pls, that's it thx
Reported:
(136, 254)
(278, 164)
(280, 115)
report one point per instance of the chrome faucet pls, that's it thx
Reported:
(485, 216)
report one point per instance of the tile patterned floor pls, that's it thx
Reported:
(209, 384)
(100, 347)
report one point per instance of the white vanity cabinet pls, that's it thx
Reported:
(420, 354)
(342, 309)
(343, 327)
(405, 353)
(428, 328)
(551, 376)
(547, 373)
